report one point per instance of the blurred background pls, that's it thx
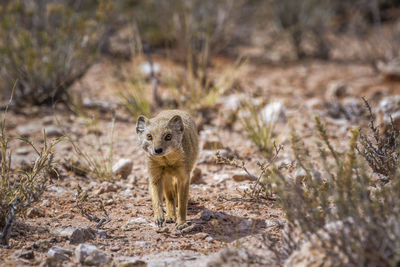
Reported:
(48, 45)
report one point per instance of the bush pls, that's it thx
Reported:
(341, 211)
(47, 45)
(382, 151)
(19, 189)
(259, 129)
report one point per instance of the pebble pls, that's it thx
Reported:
(35, 213)
(138, 220)
(122, 168)
(81, 235)
(196, 176)
(115, 248)
(212, 145)
(88, 254)
(60, 253)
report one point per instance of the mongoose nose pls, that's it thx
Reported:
(158, 150)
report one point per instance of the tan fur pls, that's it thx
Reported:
(169, 171)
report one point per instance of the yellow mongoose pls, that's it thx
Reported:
(171, 143)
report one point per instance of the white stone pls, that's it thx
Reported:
(145, 68)
(60, 253)
(138, 220)
(122, 168)
(273, 112)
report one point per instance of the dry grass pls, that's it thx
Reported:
(96, 160)
(20, 188)
(341, 195)
(47, 45)
(260, 130)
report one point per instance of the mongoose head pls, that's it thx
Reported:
(159, 137)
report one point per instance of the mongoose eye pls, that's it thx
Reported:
(168, 137)
(149, 137)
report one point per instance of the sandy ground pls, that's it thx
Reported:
(219, 215)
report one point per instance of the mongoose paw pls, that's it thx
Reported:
(181, 226)
(170, 219)
(159, 221)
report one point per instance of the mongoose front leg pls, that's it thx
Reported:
(156, 190)
(183, 195)
(170, 197)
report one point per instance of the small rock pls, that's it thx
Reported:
(23, 151)
(109, 202)
(66, 215)
(53, 131)
(245, 225)
(273, 112)
(196, 176)
(97, 104)
(315, 103)
(27, 255)
(106, 187)
(212, 145)
(28, 129)
(47, 120)
(81, 235)
(165, 229)
(147, 68)
(207, 215)
(143, 244)
(35, 213)
(192, 228)
(64, 232)
(88, 254)
(209, 239)
(115, 248)
(46, 203)
(273, 223)
(221, 177)
(138, 220)
(60, 253)
(390, 107)
(231, 102)
(391, 69)
(52, 262)
(129, 262)
(240, 177)
(336, 90)
(102, 234)
(122, 168)
(200, 236)
(59, 190)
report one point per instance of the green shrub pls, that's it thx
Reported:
(47, 45)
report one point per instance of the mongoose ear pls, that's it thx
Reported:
(176, 123)
(141, 124)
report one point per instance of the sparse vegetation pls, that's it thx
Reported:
(81, 200)
(47, 46)
(342, 205)
(259, 128)
(382, 151)
(20, 188)
(96, 161)
(331, 194)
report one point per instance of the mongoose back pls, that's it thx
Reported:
(170, 141)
